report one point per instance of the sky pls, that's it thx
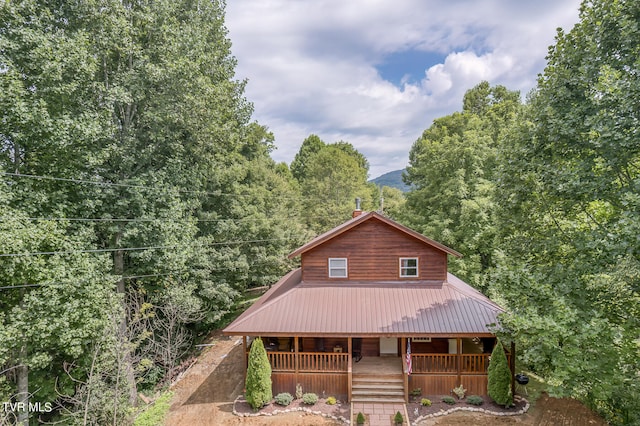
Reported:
(377, 73)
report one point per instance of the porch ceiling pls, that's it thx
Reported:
(293, 307)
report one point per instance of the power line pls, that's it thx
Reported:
(46, 253)
(126, 185)
(97, 219)
(130, 277)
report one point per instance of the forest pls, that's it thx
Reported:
(139, 202)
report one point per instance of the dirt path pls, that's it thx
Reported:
(205, 395)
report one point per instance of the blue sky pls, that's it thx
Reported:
(377, 73)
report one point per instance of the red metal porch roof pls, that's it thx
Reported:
(298, 308)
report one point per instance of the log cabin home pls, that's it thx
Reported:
(371, 315)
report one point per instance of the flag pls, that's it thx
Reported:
(409, 369)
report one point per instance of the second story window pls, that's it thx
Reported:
(337, 267)
(408, 266)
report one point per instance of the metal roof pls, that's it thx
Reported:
(296, 308)
(340, 229)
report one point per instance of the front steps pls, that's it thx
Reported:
(377, 388)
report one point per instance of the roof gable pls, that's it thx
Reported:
(355, 222)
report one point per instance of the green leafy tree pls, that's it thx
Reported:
(130, 119)
(334, 178)
(499, 377)
(310, 146)
(451, 172)
(258, 381)
(569, 215)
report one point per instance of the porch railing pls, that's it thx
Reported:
(309, 361)
(448, 363)
(434, 363)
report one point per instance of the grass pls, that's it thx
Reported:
(535, 387)
(155, 414)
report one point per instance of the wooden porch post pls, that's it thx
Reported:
(459, 357)
(244, 356)
(512, 367)
(296, 358)
(403, 354)
(349, 368)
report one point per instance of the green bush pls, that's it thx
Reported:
(416, 392)
(475, 400)
(299, 392)
(284, 398)
(448, 400)
(155, 414)
(309, 398)
(499, 381)
(360, 419)
(460, 392)
(398, 419)
(258, 382)
(425, 402)
(331, 400)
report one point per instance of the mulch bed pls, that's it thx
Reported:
(439, 408)
(340, 411)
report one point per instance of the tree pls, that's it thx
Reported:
(310, 146)
(126, 118)
(499, 377)
(569, 208)
(258, 381)
(452, 174)
(334, 178)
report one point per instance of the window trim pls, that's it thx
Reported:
(345, 268)
(403, 269)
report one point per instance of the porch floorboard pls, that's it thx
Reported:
(378, 365)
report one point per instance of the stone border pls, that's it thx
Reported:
(418, 420)
(477, 410)
(287, 410)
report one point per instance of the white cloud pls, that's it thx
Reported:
(311, 66)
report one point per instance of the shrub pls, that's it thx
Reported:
(448, 400)
(416, 392)
(309, 398)
(460, 391)
(258, 382)
(425, 402)
(331, 400)
(398, 419)
(360, 419)
(475, 400)
(499, 381)
(284, 398)
(299, 391)
(156, 413)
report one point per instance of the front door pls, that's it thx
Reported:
(388, 346)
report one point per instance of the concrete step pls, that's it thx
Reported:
(385, 386)
(378, 399)
(378, 392)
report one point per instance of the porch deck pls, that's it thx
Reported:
(380, 365)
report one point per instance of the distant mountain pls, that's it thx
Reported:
(392, 179)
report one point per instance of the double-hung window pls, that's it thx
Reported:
(337, 267)
(409, 267)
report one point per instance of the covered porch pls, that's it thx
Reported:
(341, 366)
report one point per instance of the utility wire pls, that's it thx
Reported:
(131, 277)
(221, 243)
(126, 185)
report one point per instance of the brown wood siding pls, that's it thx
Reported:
(323, 384)
(442, 384)
(373, 250)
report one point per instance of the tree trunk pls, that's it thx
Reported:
(22, 376)
(118, 269)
